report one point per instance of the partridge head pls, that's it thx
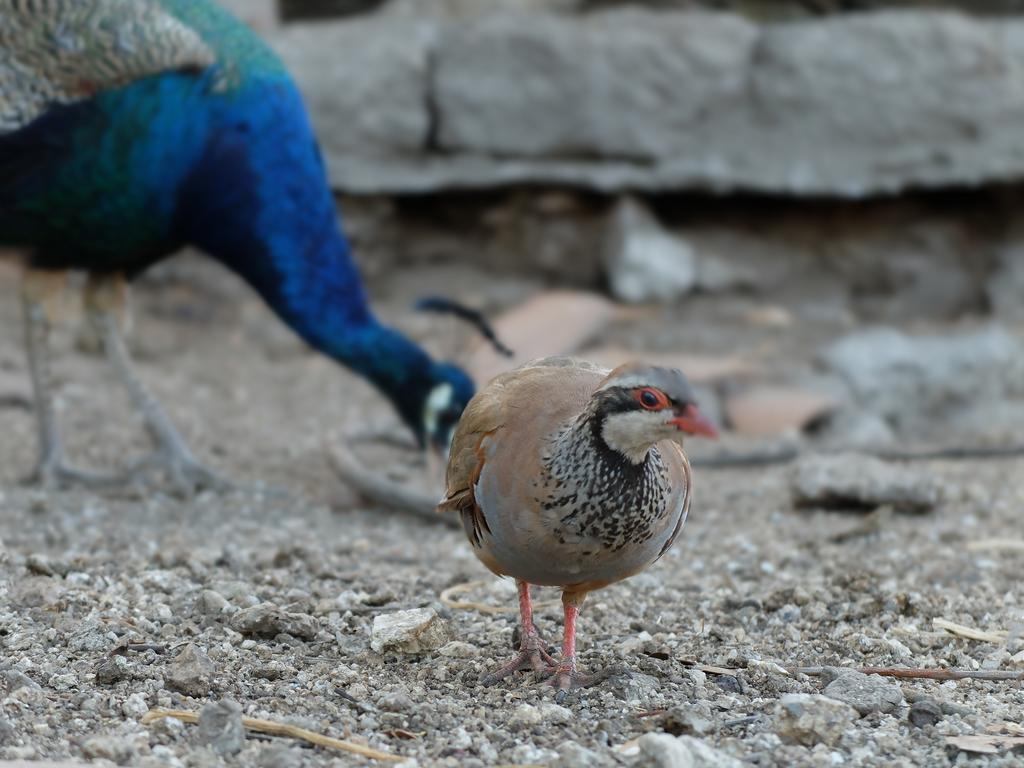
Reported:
(569, 475)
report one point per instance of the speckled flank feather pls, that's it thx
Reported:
(63, 51)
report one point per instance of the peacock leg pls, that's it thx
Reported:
(40, 295)
(105, 299)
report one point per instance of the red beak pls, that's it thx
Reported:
(694, 422)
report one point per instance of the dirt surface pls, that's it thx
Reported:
(752, 585)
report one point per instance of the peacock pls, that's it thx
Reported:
(132, 128)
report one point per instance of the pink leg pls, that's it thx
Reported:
(532, 654)
(565, 676)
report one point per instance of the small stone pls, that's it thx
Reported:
(412, 631)
(457, 649)
(686, 722)
(395, 702)
(135, 706)
(40, 565)
(863, 482)
(572, 755)
(924, 712)
(212, 603)
(190, 672)
(7, 732)
(112, 669)
(525, 716)
(109, 748)
(811, 719)
(220, 727)
(554, 713)
(865, 693)
(644, 261)
(13, 680)
(267, 620)
(664, 751)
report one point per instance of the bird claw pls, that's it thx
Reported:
(53, 473)
(565, 678)
(533, 655)
(184, 473)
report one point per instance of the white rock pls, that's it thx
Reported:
(525, 716)
(644, 261)
(412, 631)
(661, 750)
(811, 719)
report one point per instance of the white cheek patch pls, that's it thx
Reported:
(633, 433)
(438, 400)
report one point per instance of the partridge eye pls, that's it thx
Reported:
(649, 399)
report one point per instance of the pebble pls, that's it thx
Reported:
(112, 669)
(924, 712)
(267, 620)
(412, 631)
(135, 706)
(116, 750)
(220, 727)
(865, 693)
(573, 755)
(190, 672)
(810, 719)
(525, 716)
(660, 750)
(395, 702)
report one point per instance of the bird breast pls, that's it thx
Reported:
(583, 517)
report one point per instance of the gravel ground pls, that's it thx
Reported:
(111, 606)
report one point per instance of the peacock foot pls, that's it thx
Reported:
(185, 475)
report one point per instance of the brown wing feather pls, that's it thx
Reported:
(688, 491)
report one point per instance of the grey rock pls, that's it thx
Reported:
(13, 680)
(7, 732)
(395, 702)
(917, 382)
(810, 719)
(365, 83)
(507, 85)
(212, 603)
(573, 755)
(412, 631)
(865, 693)
(112, 669)
(644, 261)
(267, 620)
(110, 748)
(220, 727)
(855, 480)
(924, 712)
(190, 672)
(1006, 286)
(688, 721)
(660, 750)
(525, 716)
(850, 105)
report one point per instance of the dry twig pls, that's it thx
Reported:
(273, 728)
(996, 545)
(911, 674)
(970, 632)
(448, 598)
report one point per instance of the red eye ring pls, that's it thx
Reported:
(652, 399)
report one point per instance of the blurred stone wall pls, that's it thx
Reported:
(849, 105)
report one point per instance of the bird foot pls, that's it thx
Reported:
(54, 473)
(565, 678)
(532, 656)
(182, 471)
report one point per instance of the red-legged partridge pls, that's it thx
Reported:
(569, 475)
